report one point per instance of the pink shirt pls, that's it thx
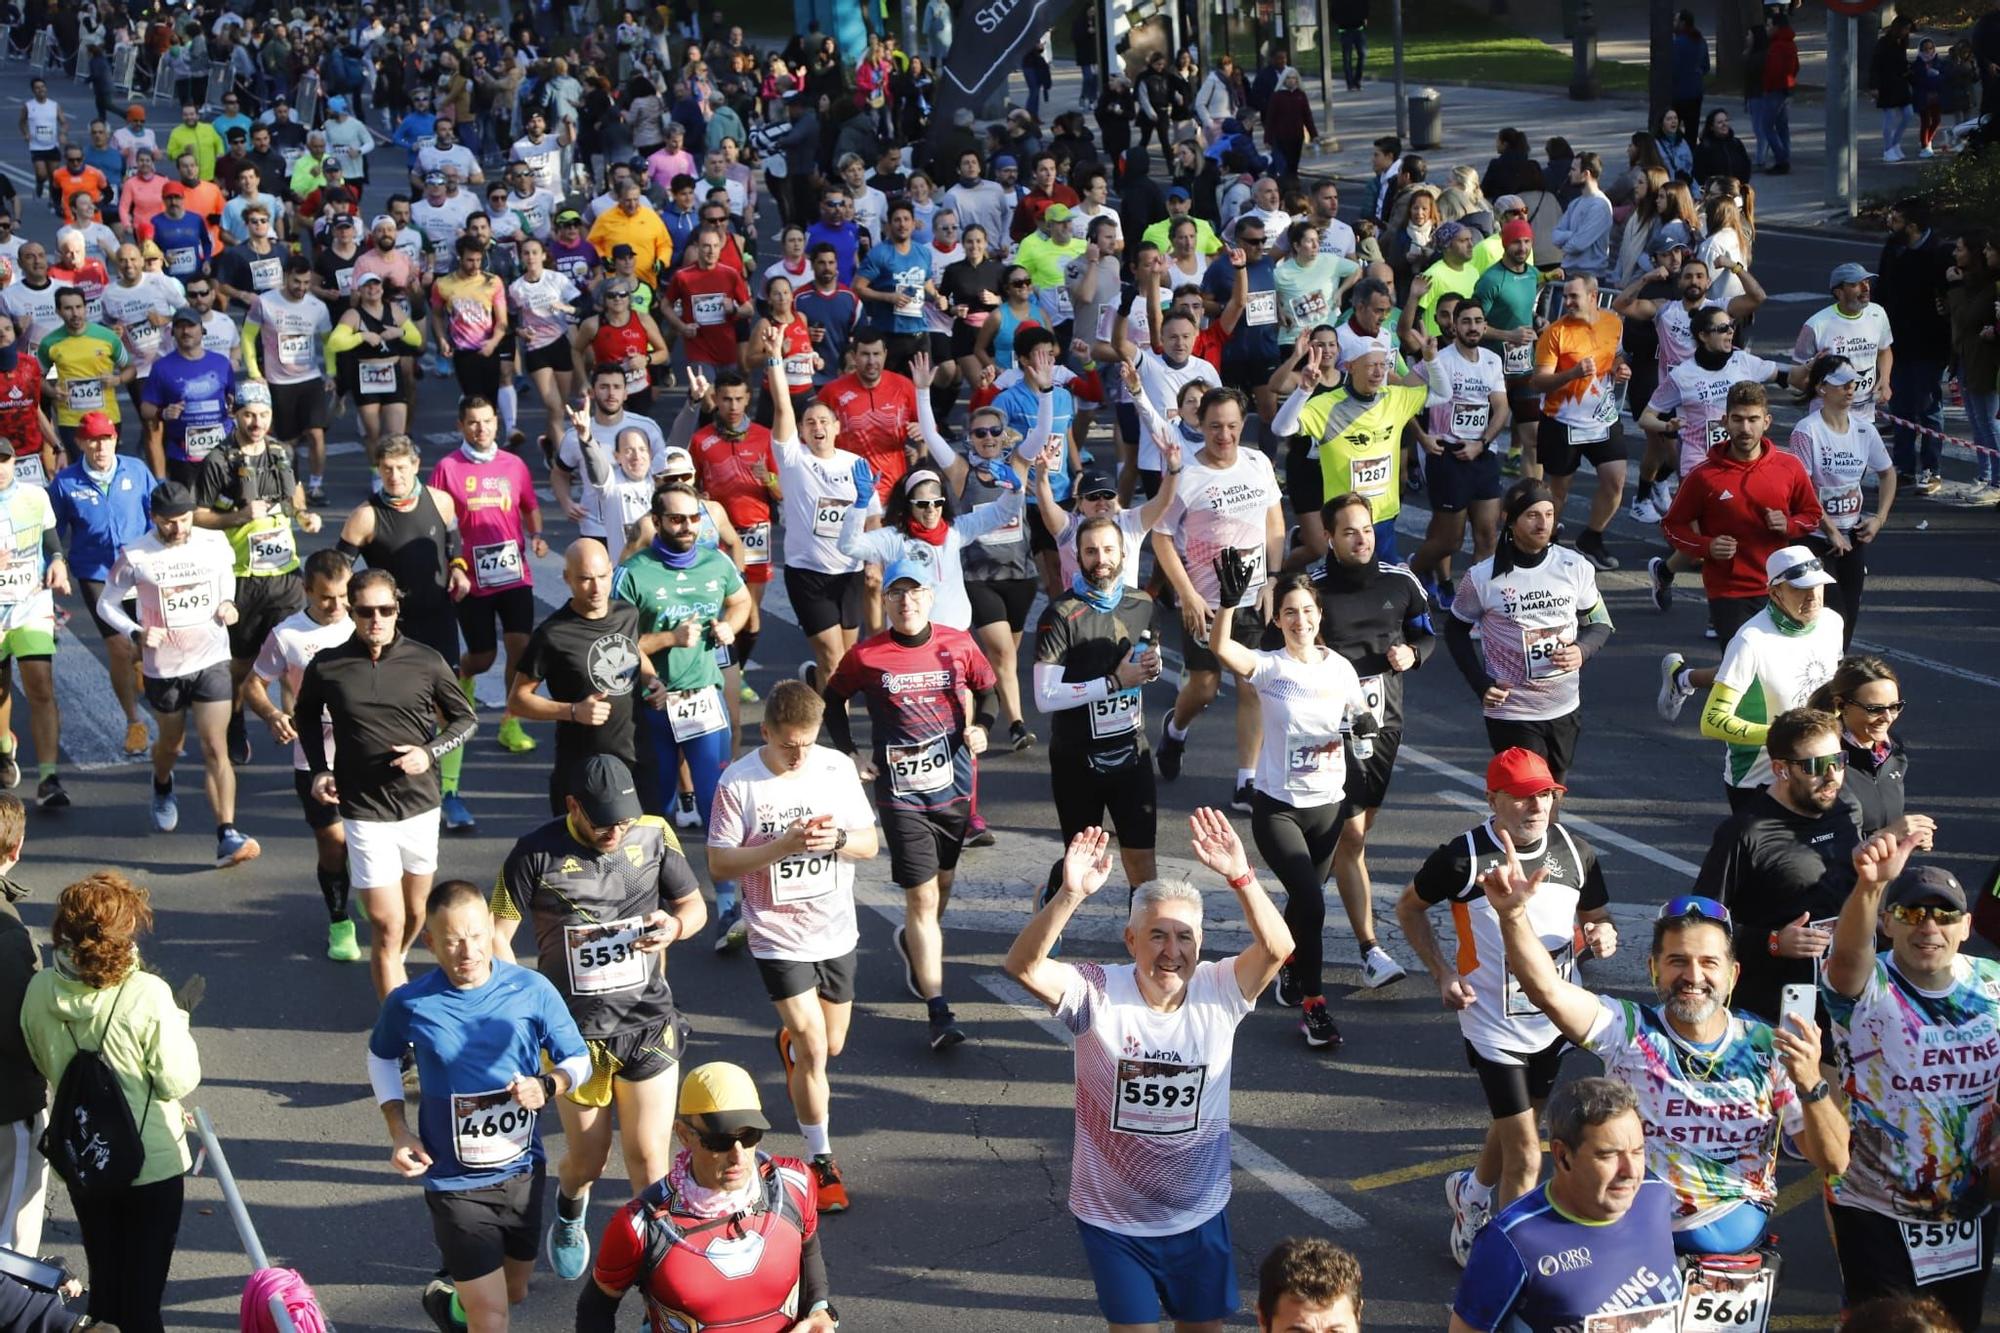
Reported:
(492, 499)
(395, 267)
(662, 167)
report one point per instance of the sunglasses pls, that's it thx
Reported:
(1022, 282)
(680, 520)
(1251, 240)
(926, 504)
(1803, 567)
(1724, 327)
(618, 296)
(1880, 710)
(987, 432)
(1821, 765)
(374, 612)
(749, 1138)
(1911, 914)
(1100, 495)
(1694, 905)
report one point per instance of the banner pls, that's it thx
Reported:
(987, 43)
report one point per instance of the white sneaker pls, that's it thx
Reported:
(1672, 697)
(1927, 152)
(1467, 1216)
(1378, 969)
(1893, 155)
(1663, 493)
(1644, 511)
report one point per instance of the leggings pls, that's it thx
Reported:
(706, 757)
(128, 1241)
(1297, 843)
(1850, 579)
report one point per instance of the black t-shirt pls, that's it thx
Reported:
(1088, 644)
(577, 658)
(964, 282)
(377, 704)
(1450, 874)
(329, 266)
(233, 268)
(1366, 612)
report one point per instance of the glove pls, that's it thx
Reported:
(1232, 576)
(1363, 724)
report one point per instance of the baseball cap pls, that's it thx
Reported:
(173, 190)
(1178, 192)
(95, 424)
(604, 791)
(1520, 773)
(623, 252)
(1509, 203)
(1844, 373)
(433, 178)
(676, 460)
(1056, 213)
(1095, 483)
(1004, 160)
(336, 106)
(330, 165)
(568, 215)
(187, 315)
(363, 279)
(236, 135)
(171, 499)
(1673, 236)
(345, 220)
(1796, 567)
(914, 571)
(719, 1097)
(253, 393)
(1517, 230)
(1846, 273)
(1921, 884)
(382, 220)
(6, 447)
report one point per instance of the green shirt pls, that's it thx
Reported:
(1444, 278)
(1508, 297)
(669, 597)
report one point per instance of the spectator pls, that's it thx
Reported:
(1512, 170)
(1556, 171)
(1691, 66)
(1781, 75)
(1974, 279)
(1219, 98)
(1910, 288)
(1037, 73)
(1890, 72)
(1675, 148)
(1929, 73)
(1720, 152)
(98, 996)
(1585, 230)
(1288, 123)
(1350, 20)
(24, 1095)
(1276, 60)
(1087, 42)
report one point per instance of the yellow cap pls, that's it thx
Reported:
(720, 1097)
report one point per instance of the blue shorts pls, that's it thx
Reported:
(1741, 1229)
(1190, 1276)
(1385, 542)
(1455, 484)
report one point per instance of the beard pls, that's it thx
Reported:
(1691, 1005)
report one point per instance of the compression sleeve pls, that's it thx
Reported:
(578, 1069)
(252, 331)
(51, 546)
(838, 731)
(814, 1290)
(1053, 694)
(459, 720)
(941, 451)
(982, 707)
(1721, 722)
(111, 600)
(386, 1078)
(342, 339)
(1593, 633)
(1287, 420)
(1465, 654)
(597, 1309)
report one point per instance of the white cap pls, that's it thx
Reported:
(1796, 567)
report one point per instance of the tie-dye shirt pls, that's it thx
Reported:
(1920, 1071)
(1711, 1113)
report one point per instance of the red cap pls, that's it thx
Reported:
(1521, 773)
(172, 190)
(95, 424)
(1517, 230)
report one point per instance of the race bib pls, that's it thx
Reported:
(197, 442)
(377, 377)
(497, 565)
(1010, 533)
(1115, 715)
(828, 515)
(295, 349)
(693, 713)
(710, 309)
(1844, 505)
(756, 543)
(1864, 379)
(1468, 421)
(185, 605)
(181, 260)
(43, 136)
(1261, 309)
(797, 878)
(1538, 651)
(1941, 1250)
(1306, 760)
(1517, 359)
(28, 470)
(1724, 1302)
(1371, 475)
(265, 273)
(799, 370)
(20, 579)
(1718, 433)
(637, 381)
(604, 957)
(1373, 695)
(343, 281)
(83, 395)
(143, 339)
(1256, 584)
(272, 550)
(490, 1128)
(909, 302)
(1515, 1004)
(1641, 1319)
(1058, 302)
(1309, 309)
(920, 768)
(1158, 1098)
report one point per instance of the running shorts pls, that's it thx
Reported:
(1514, 1089)
(1455, 485)
(319, 814)
(514, 609)
(1247, 376)
(1560, 458)
(995, 600)
(1245, 627)
(297, 408)
(478, 1230)
(824, 601)
(29, 643)
(262, 603)
(477, 374)
(1305, 484)
(557, 356)
(636, 1056)
(832, 979)
(176, 694)
(1190, 1276)
(381, 851)
(1039, 537)
(1084, 794)
(923, 843)
(1368, 779)
(1554, 739)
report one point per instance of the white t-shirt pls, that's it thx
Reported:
(1523, 616)
(130, 306)
(1461, 405)
(219, 334)
(536, 212)
(442, 224)
(289, 350)
(180, 588)
(1218, 508)
(569, 453)
(1674, 327)
(1163, 384)
(1838, 463)
(1336, 238)
(1305, 711)
(1700, 400)
(1152, 1098)
(434, 158)
(544, 159)
(818, 494)
(290, 649)
(531, 307)
(802, 908)
(33, 306)
(1772, 672)
(1859, 338)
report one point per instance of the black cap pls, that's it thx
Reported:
(1926, 884)
(6, 447)
(1091, 483)
(603, 788)
(171, 499)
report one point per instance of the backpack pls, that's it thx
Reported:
(91, 1140)
(285, 1287)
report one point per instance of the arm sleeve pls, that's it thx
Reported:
(459, 721)
(813, 1285)
(1593, 631)
(1465, 654)
(111, 601)
(1417, 629)
(385, 1076)
(1721, 722)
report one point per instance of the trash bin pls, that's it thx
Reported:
(1426, 119)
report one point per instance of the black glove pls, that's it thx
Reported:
(1233, 571)
(1363, 724)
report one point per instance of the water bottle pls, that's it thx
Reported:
(1143, 646)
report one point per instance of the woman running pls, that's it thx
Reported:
(375, 334)
(1839, 449)
(544, 303)
(1019, 308)
(795, 344)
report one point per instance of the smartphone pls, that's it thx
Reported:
(1799, 1000)
(32, 1272)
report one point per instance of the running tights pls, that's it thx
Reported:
(128, 1241)
(1297, 843)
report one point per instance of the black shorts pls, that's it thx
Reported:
(1455, 485)
(297, 408)
(642, 1053)
(514, 609)
(478, 1230)
(477, 374)
(940, 348)
(176, 694)
(435, 628)
(995, 600)
(1086, 789)
(1128, 423)
(1368, 779)
(185, 471)
(350, 382)
(1149, 482)
(261, 603)
(1523, 405)
(1039, 538)
(824, 601)
(319, 814)
(922, 843)
(1247, 376)
(91, 589)
(1729, 614)
(832, 979)
(556, 356)
(1554, 740)
(51, 155)
(1305, 483)
(1560, 458)
(1245, 627)
(900, 347)
(963, 335)
(1874, 1262)
(1515, 1089)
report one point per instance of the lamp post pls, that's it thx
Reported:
(1583, 79)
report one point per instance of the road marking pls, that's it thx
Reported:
(1288, 1184)
(1798, 1192)
(1415, 1171)
(1596, 832)
(1918, 659)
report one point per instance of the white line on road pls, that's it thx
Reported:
(1288, 1184)
(1590, 828)
(1918, 659)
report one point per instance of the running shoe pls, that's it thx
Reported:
(49, 794)
(1591, 548)
(945, 1031)
(340, 944)
(513, 739)
(233, 847)
(977, 834)
(1708, 632)
(1672, 697)
(315, 495)
(1467, 1217)
(515, 439)
(685, 814)
(10, 770)
(832, 1189)
(166, 812)
(1445, 593)
(1929, 483)
(1317, 1025)
(569, 1248)
(1171, 747)
(239, 740)
(457, 818)
(1660, 581)
(1644, 511)
(1378, 969)
(746, 695)
(809, 673)
(138, 741)
(1285, 988)
(1022, 737)
(1510, 466)
(437, 1304)
(902, 943)
(784, 1041)
(729, 928)
(1240, 802)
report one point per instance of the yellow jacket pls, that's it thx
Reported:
(644, 231)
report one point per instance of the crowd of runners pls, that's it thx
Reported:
(985, 389)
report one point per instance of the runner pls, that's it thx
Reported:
(1511, 1045)
(875, 407)
(703, 304)
(480, 1028)
(1540, 618)
(86, 362)
(372, 339)
(1164, 376)
(498, 516)
(138, 308)
(1046, 414)
(31, 298)
(1839, 450)
(1349, 438)
(543, 304)
(581, 499)
(45, 127)
(184, 579)
(393, 713)
(733, 458)
(718, 1174)
(285, 333)
(22, 417)
(1468, 416)
(1509, 290)
(1853, 327)
(185, 402)
(286, 652)
(33, 572)
(1149, 1177)
(790, 820)
(469, 311)
(1580, 371)
(606, 890)
(620, 336)
(917, 678)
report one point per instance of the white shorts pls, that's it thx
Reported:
(381, 852)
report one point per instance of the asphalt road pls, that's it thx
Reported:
(958, 1164)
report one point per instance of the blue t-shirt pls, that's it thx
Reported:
(100, 521)
(470, 1044)
(1256, 335)
(1535, 1270)
(1023, 405)
(845, 240)
(903, 274)
(202, 387)
(833, 314)
(184, 242)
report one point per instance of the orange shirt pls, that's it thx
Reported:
(89, 181)
(205, 202)
(1566, 342)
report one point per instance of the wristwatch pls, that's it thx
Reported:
(548, 1082)
(839, 839)
(1819, 1094)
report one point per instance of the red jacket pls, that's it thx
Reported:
(875, 423)
(1727, 498)
(1781, 60)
